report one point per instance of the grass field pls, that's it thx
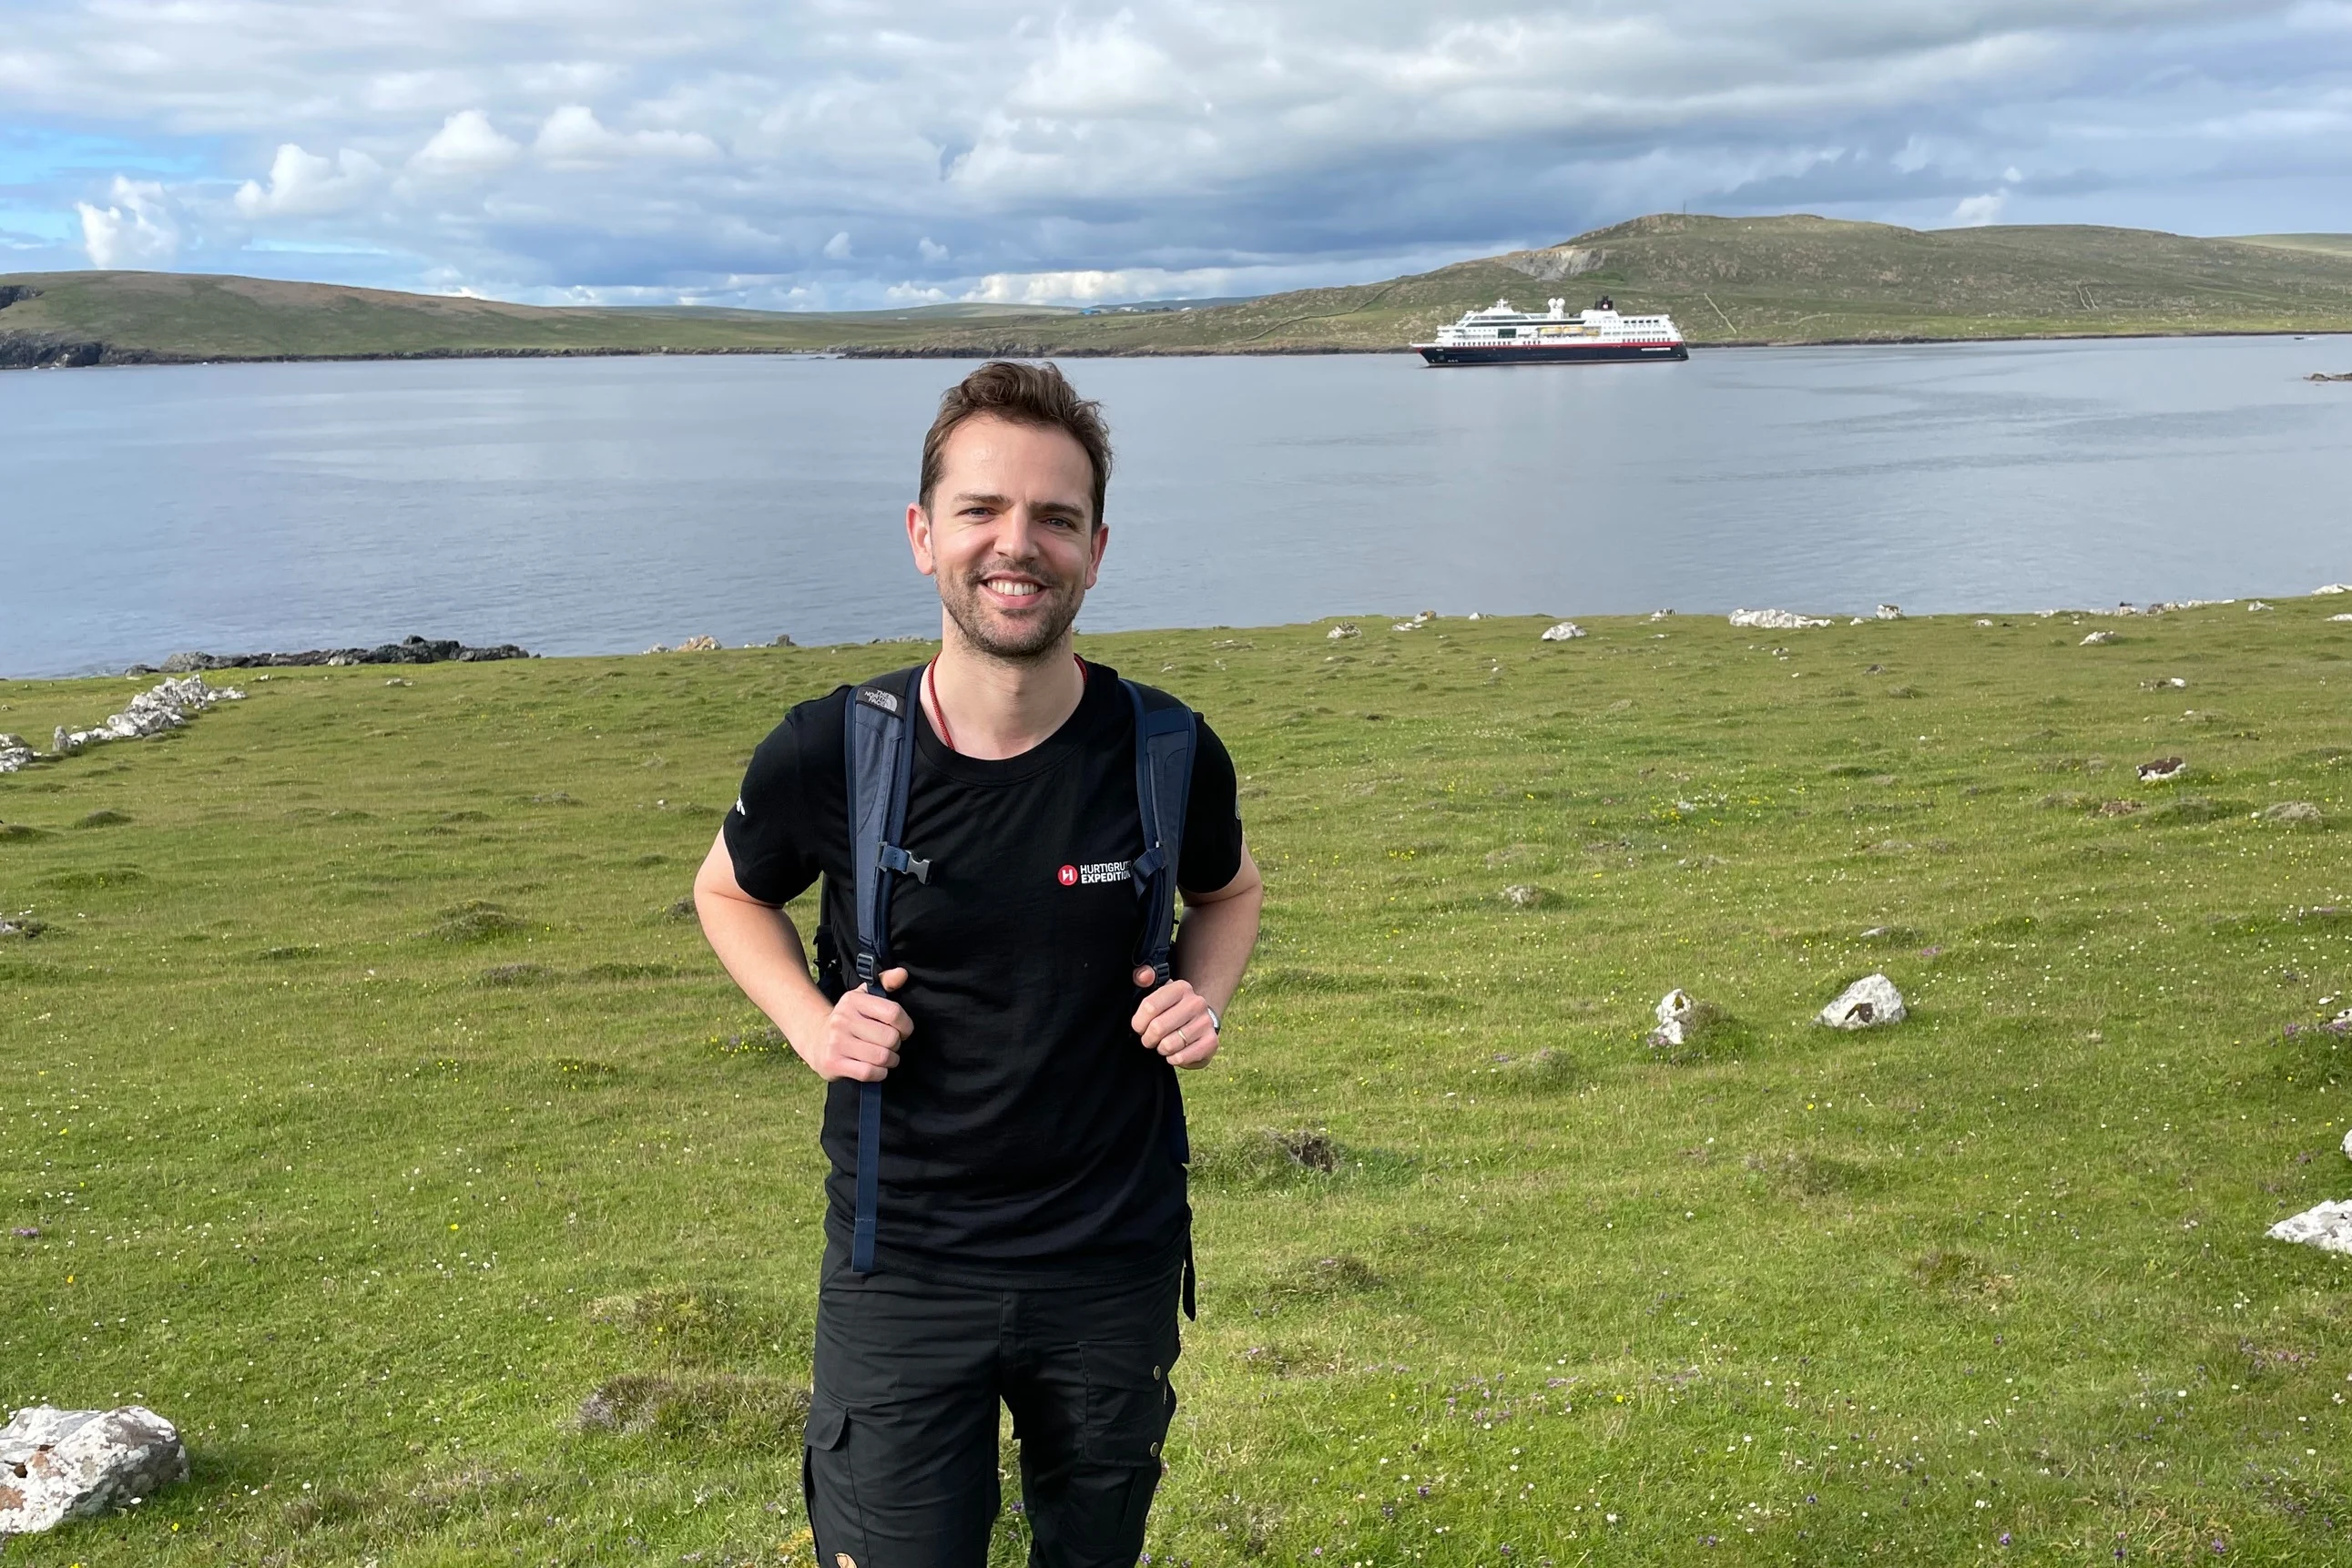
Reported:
(384, 1123)
(1762, 280)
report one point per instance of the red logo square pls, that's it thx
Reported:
(1067, 875)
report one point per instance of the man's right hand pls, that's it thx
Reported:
(862, 1034)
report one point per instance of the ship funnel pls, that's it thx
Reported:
(1559, 307)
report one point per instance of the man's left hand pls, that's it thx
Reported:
(1174, 1021)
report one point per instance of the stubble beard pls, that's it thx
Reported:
(1025, 642)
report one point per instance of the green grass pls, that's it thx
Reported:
(1766, 280)
(386, 1125)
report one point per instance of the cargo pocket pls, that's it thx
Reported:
(1128, 1401)
(829, 1491)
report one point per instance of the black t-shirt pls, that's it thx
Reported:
(1025, 1132)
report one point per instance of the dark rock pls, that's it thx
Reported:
(408, 650)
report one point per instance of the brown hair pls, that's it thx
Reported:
(1034, 395)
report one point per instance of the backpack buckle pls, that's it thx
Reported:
(897, 860)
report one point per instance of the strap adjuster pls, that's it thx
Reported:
(897, 860)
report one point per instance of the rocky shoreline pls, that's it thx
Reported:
(407, 650)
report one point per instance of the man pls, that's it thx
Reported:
(1031, 1239)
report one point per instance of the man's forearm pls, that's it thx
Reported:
(1214, 943)
(761, 952)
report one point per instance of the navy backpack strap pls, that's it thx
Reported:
(878, 754)
(1166, 733)
(1164, 738)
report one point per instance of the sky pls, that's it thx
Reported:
(842, 154)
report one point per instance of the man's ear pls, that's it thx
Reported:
(918, 539)
(1095, 546)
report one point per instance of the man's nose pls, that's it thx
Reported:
(1016, 537)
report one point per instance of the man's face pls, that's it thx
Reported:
(1010, 535)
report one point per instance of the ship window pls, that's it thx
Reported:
(1507, 332)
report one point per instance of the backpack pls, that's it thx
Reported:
(878, 754)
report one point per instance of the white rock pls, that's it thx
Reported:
(1869, 1001)
(1343, 630)
(1982, 621)
(1564, 631)
(2327, 1227)
(2257, 605)
(1674, 1010)
(1406, 626)
(1475, 615)
(14, 753)
(2340, 618)
(163, 706)
(2333, 588)
(2347, 1145)
(2293, 814)
(1660, 615)
(2096, 638)
(1776, 620)
(1888, 613)
(57, 1465)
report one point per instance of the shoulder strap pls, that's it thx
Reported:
(878, 756)
(1164, 735)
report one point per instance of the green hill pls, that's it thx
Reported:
(1768, 280)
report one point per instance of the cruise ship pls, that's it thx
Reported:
(1500, 335)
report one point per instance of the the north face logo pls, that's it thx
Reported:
(1067, 875)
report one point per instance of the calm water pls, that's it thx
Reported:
(604, 505)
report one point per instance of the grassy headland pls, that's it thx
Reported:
(1724, 280)
(381, 1120)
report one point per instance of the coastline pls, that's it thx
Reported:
(20, 354)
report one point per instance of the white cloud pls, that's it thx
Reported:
(837, 247)
(137, 230)
(1975, 212)
(914, 294)
(467, 143)
(930, 249)
(572, 135)
(1099, 287)
(304, 184)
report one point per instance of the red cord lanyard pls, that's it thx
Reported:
(940, 714)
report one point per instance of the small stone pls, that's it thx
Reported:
(2347, 1145)
(1475, 615)
(1871, 1000)
(2327, 1226)
(57, 1465)
(2096, 638)
(784, 640)
(1525, 896)
(1344, 630)
(1660, 615)
(1982, 621)
(1684, 1025)
(1776, 620)
(399, 680)
(2163, 770)
(2257, 605)
(2294, 813)
(2165, 683)
(1888, 613)
(1562, 632)
(15, 754)
(2344, 617)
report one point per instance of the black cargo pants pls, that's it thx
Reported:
(900, 1466)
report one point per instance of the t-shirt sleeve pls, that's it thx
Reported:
(1213, 819)
(775, 829)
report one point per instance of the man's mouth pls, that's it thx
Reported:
(1013, 587)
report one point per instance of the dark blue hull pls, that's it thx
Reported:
(1554, 354)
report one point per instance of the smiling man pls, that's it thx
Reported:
(997, 1014)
